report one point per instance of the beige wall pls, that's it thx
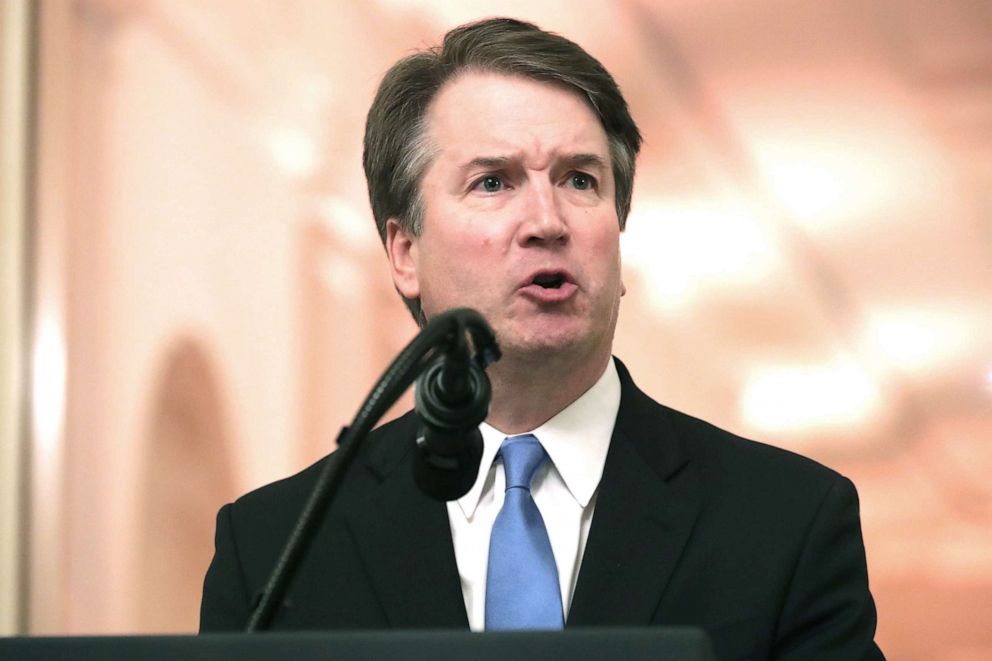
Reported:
(807, 263)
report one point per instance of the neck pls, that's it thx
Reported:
(528, 392)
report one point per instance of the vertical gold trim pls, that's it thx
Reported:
(16, 40)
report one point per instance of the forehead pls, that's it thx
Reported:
(481, 113)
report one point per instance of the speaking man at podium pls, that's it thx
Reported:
(500, 168)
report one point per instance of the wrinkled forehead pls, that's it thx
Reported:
(487, 114)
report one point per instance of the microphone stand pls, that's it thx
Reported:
(441, 331)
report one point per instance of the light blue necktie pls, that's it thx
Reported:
(522, 589)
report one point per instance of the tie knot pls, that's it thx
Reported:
(522, 456)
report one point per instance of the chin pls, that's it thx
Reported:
(544, 343)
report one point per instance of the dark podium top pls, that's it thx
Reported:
(674, 643)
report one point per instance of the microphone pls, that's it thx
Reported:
(452, 398)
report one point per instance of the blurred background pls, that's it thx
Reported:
(193, 298)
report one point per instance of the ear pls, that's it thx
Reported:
(401, 249)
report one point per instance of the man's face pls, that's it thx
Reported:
(520, 221)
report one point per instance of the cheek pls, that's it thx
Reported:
(478, 248)
(605, 255)
(606, 243)
(457, 264)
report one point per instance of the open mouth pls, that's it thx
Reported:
(549, 280)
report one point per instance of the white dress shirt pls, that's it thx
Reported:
(564, 490)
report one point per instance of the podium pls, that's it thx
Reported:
(668, 643)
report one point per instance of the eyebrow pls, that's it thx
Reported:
(488, 163)
(587, 161)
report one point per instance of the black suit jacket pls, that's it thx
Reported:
(693, 526)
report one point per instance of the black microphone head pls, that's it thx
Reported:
(447, 476)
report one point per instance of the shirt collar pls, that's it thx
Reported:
(576, 440)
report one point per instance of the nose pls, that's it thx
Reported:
(543, 221)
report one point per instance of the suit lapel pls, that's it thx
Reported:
(646, 506)
(405, 540)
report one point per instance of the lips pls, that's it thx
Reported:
(549, 286)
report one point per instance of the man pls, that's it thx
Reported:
(500, 170)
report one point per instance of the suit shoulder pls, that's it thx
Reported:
(706, 438)
(291, 489)
(723, 455)
(381, 446)
(708, 442)
(736, 468)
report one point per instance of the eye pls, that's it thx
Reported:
(491, 183)
(581, 181)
